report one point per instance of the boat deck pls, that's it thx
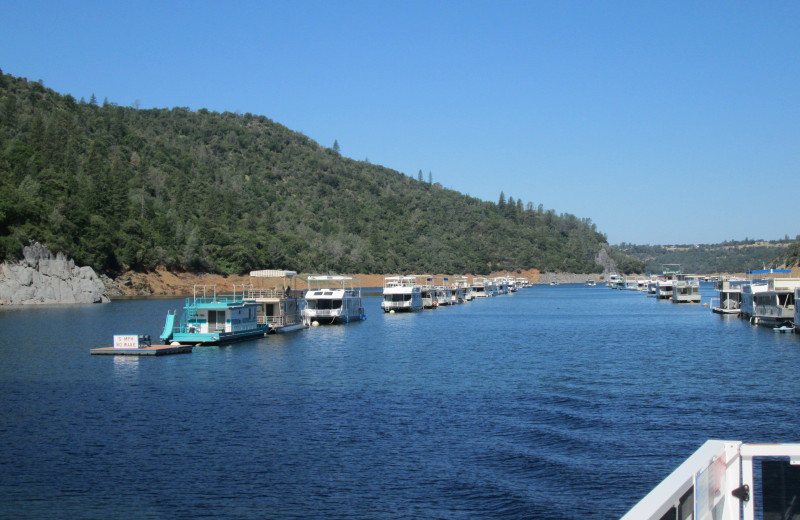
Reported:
(152, 350)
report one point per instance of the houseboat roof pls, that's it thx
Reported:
(273, 273)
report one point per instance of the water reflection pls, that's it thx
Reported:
(125, 368)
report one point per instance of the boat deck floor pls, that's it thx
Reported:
(152, 350)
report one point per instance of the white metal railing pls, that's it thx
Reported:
(395, 305)
(323, 313)
(267, 293)
(716, 482)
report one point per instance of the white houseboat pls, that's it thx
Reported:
(796, 310)
(462, 284)
(613, 281)
(749, 291)
(686, 291)
(501, 285)
(332, 299)
(730, 295)
(281, 306)
(401, 294)
(428, 291)
(775, 306)
(728, 480)
(664, 285)
(480, 288)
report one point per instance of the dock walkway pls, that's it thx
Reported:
(152, 350)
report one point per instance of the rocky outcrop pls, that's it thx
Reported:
(608, 263)
(41, 277)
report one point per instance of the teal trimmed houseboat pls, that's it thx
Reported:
(209, 319)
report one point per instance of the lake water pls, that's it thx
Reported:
(555, 402)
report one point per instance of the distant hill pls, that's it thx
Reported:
(726, 257)
(792, 256)
(122, 188)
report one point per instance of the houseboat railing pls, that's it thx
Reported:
(721, 481)
(396, 305)
(276, 293)
(324, 313)
(280, 320)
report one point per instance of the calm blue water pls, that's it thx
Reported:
(556, 402)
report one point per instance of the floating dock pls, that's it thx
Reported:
(151, 350)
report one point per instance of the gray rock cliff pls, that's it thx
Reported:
(41, 277)
(608, 263)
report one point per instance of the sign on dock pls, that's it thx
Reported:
(126, 341)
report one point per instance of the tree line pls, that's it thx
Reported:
(726, 257)
(125, 188)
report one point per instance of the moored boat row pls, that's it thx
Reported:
(409, 293)
(209, 318)
(249, 312)
(764, 297)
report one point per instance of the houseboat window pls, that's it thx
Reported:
(324, 304)
(780, 488)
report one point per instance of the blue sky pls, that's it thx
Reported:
(663, 122)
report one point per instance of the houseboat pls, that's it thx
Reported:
(442, 295)
(730, 296)
(749, 291)
(686, 291)
(480, 288)
(428, 292)
(281, 305)
(457, 294)
(401, 294)
(462, 284)
(209, 319)
(631, 284)
(501, 284)
(775, 306)
(796, 310)
(727, 480)
(332, 299)
(671, 273)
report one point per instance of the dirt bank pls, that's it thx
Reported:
(166, 283)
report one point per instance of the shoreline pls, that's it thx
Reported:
(167, 284)
(161, 282)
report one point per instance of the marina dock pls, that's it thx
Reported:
(152, 350)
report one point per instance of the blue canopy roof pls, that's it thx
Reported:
(770, 271)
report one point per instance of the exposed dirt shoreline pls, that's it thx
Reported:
(166, 283)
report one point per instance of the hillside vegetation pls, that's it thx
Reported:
(727, 257)
(123, 188)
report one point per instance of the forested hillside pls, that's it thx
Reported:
(792, 256)
(727, 257)
(118, 187)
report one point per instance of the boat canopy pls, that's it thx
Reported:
(770, 271)
(273, 273)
